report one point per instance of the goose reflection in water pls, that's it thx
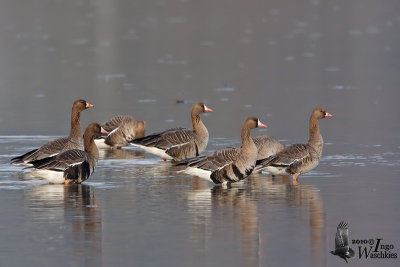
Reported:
(251, 210)
(70, 212)
(122, 154)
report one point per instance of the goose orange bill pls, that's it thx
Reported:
(207, 109)
(327, 115)
(260, 124)
(103, 131)
(88, 105)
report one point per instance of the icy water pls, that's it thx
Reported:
(152, 59)
(137, 210)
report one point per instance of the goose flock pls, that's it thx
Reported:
(72, 159)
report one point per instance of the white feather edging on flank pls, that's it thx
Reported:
(155, 151)
(113, 131)
(204, 174)
(179, 145)
(76, 163)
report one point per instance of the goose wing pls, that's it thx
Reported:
(167, 138)
(47, 150)
(288, 157)
(216, 160)
(61, 161)
(115, 122)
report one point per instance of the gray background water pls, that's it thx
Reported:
(273, 59)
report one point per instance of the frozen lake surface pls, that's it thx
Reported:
(136, 209)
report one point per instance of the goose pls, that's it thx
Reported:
(178, 143)
(122, 129)
(73, 141)
(266, 147)
(228, 165)
(72, 166)
(299, 158)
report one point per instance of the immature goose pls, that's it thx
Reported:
(178, 143)
(72, 166)
(299, 158)
(122, 129)
(227, 165)
(73, 141)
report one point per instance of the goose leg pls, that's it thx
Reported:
(224, 185)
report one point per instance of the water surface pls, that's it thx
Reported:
(137, 209)
(152, 59)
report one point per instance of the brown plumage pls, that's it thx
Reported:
(299, 158)
(73, 141)
(229, 165)
(178, 143)
(122, 129)
(71, 166)
(266, 147)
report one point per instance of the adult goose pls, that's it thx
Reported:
(73, 141)
(72, 166)
(178, 143)
(228, 165)
(299, 158)
(266, 147)
(122, 129)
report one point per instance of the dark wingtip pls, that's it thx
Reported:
(262, 163)
(16, 160)
(182, 162)
(21, 159)
(259, 162)
(140, 140)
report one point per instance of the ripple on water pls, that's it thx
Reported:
(147, 100)
(15, 184)
(225, 89)
(320, 174)
(103, 185)
(385, 159)
(7, 168)
(346, 160)
(26, 138)
(130, 162)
